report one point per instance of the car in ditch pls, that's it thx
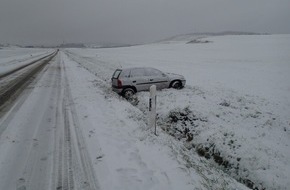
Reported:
(131, 80)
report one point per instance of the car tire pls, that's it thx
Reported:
(128, 93)
(176, 84)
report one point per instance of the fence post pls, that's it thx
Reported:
(152, 108)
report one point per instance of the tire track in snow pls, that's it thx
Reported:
(73, 165)
(80, 148)
(36, 168)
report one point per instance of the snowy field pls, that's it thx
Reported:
(229, 128)
(11, 58)
(233, 115)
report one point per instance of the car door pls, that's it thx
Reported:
(157, 78)
(139, 79)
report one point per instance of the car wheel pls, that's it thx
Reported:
(128, 93)
(176, 85)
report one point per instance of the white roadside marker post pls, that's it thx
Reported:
(152, 108)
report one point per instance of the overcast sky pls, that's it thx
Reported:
(134, 21)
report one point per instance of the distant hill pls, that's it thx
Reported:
(107, 45)
(4, 45)
(227, 33)
(72, 45)
(195, 37)
(92, 45)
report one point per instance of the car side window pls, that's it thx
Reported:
(137, 73)
(125, 74)
(153, 72)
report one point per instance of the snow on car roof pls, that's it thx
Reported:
(130, 68)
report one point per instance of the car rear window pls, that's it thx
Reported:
(116, 74)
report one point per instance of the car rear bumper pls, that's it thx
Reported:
(117, 90)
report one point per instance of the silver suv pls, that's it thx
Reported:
(131, 80)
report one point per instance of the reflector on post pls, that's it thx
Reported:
(152, 108)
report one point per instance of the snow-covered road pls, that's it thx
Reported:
(41, 147)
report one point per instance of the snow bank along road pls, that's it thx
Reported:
(41, 146)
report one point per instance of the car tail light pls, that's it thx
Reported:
(119, 83)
